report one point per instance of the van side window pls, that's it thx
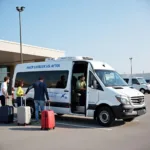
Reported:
(53, 79)
(127, 80)
(135, 81)
(93, 83)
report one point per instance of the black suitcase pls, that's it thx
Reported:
(6, 114)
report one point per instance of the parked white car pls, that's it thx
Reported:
(138, 83)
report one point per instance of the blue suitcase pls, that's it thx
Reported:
(6, 114)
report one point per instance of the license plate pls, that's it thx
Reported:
(141, 112)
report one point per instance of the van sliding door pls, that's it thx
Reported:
(92, 91)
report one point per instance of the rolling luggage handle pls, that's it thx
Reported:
(22, 100)
(25, 99)
(48, 106)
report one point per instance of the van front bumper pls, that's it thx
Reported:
(128, 111)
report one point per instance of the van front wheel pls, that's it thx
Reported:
(142, 90)
(105, 116)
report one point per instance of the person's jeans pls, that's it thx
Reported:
(20, 101)
(41, 104)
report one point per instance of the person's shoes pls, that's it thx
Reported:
(36, 121)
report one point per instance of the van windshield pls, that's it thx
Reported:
(110, 78)
(142, 81)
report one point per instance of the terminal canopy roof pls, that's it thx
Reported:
(10, 53)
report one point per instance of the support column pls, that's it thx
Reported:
(11, 68)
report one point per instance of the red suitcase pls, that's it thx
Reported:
(47, 120)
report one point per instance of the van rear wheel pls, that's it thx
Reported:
(105, 116)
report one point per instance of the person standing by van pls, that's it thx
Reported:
(81, 88)
(81, 84)
(20, 94)
(40, 90)
(3, 91)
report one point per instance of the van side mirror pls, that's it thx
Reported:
(95, 84)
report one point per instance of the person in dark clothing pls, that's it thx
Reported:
(61, 83)
(73, 83)
(40, 90)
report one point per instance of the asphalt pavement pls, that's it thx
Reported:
(79, 133)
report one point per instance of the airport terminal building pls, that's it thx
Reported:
(10, 56)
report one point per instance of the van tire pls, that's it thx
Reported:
(105, 116)
(128, 120)
(142, 90)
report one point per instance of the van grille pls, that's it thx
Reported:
(137, 100)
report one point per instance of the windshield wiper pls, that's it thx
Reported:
(108, 85)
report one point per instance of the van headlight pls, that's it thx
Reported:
(123, 100)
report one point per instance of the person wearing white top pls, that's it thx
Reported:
(3, 91)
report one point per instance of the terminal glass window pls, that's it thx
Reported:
(53, 79)
(4, 71)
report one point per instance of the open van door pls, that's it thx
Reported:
(93, 91)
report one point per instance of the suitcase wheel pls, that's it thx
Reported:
(47, 129)
(44, 129)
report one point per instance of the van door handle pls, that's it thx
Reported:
(66, 91)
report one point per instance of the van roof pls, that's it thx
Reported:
(63, 60)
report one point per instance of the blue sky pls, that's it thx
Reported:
(108, 30)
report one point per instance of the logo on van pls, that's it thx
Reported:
(64, 96)
(57, 95)
(44, 66)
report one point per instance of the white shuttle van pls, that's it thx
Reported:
(107, 95)
(138, 83)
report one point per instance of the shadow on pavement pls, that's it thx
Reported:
(87, 122)
(29, 128)
(8, 124)
(67, 122)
